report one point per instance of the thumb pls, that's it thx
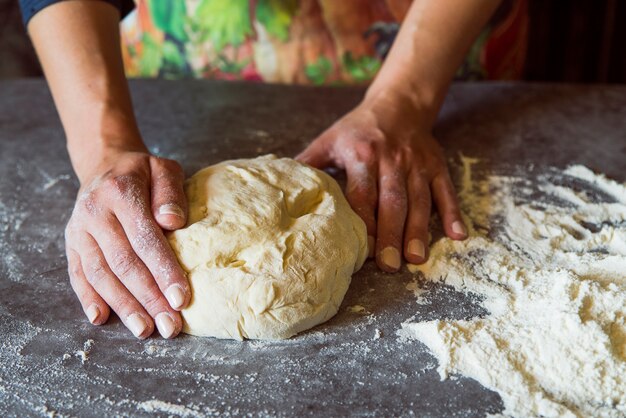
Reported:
(169, 203)
(317, 154)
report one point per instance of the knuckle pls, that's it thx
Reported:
(168, 169)
(85, 297)
(390, 236)
(362, 199)
(394, 197)
(165, 193)
(145, 230)
(122, 303)
(86, 204)
(124, 264)
(400, 158)
(365, 152)
(152, 300)
(124, 185)
(172, 165)
(70, 231)
(440, 174)
(438, 164)
(145, 237)
(446, 190)
(421, 201)
(97, 273)
(74, 271)
(375, 134)
(360, 184)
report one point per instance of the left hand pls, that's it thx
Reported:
(395, 168)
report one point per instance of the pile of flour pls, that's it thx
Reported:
(547, 257)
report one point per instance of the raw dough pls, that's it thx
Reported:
(270, 248)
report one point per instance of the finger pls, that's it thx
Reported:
(169, 204)
(416, 230)
(114, 293)
(448, 207)
(133, 274)
(392, 209)
(318, 154)
(362, 195)
(148, 242)
(94, 306)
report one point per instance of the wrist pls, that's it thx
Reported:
(402, 101)
(100, 129)
(92, 151)
(90, 163)
(103, 120)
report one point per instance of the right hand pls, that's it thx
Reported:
(118, 256)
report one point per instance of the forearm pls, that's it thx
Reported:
(79, 48)
(433, 41)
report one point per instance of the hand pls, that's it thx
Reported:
(118, 257)
(395, 168)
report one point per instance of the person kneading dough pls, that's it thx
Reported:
(264, 257)
(269, 248)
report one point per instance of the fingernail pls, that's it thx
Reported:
(371, 243)
(391, 258)
(171, 209)
(416, 248)
(165, 324)
(93, 313)
(175, 296)
(136, 324)
(458, 228)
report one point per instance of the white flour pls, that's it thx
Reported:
(176, 410)
(548, 259)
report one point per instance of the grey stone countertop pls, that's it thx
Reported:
(52, 361)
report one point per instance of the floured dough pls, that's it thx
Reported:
(270, 248)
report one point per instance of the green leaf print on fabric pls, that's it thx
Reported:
(231, 67)
(361, 69)
(276, 16)
(223, 22)
(151, 57)
(319, 71)
(172, 55)
(472, 68)
(164, 59)
(170, 17)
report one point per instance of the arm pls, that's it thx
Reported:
(395, 168)
(118, 257)
(432, 43)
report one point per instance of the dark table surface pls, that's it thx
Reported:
(53, 361)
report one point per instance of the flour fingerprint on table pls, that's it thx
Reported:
(546, 257)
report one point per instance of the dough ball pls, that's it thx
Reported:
(269, 248)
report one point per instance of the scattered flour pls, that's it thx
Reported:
(357, 309)
(53, 181)
(169, 408)
(45, 411)
(83, 354)
(414, 287)
(547, 257)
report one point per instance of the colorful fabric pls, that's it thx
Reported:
(296, 41)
